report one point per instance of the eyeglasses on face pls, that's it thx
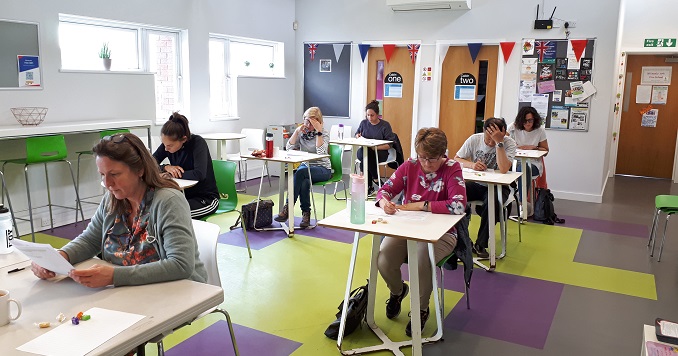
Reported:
(117, 138)
(529, 121)
(429, 160)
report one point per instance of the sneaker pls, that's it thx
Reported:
(305, 219)
(480, 251)
(371, 192)
(284, 214)
(423, 314)
(393, 303)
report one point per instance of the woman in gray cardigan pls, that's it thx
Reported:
(143, 225)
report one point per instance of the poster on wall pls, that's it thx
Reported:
(650, 118)
(540, 102)
(656, 75)
(393, 85)
(29, 71)
(579, 118)
(558, 119)
(659, 94)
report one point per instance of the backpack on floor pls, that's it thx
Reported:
(356, 313)
(543, 208)
(264, 215)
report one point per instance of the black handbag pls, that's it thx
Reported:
(264, 216)
(356, 313)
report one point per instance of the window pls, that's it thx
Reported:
(231, 57)
(133, 48)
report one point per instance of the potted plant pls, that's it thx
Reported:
(105, 55)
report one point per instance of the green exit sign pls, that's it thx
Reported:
(660, 42)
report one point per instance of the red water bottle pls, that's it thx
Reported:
(269, 145)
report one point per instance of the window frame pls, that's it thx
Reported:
(143, 55)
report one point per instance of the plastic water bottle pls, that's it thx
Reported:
(340, 132)
(269, 145)
(6, 231)
(357, 199)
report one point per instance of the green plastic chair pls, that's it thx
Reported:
(335, 160)
(224, 172)
(667, 204)
(45, 149)
(442, 284)
(102, 134)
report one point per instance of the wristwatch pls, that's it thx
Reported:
(426, 205)
(318, 133)
(500, 145)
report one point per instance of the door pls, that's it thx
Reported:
(397, 111)
(459, 118)
(647, 151)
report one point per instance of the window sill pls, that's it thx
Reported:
(224, 118)
(261, 77)
(104, 71)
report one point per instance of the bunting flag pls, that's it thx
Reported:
(338, 48)
(388, 51)
(363, 51)
(312, 47)
(507, 49)
(578, 46)
(474, 48)
(413, 49)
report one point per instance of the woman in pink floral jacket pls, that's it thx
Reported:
(431, 182)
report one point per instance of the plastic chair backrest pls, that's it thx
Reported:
(254, 140)
(335, 159)
(46, 149)
(207, 235)
(224, 172)
(105, 133)
(391, 157)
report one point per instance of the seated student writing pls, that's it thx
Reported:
(494, 150)
(189, 158)
(142, 226)
(431, 182)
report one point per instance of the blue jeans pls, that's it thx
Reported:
(302, 184)
(532, 171)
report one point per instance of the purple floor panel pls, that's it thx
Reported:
(215, 341)
(606, 226)
(69, 231)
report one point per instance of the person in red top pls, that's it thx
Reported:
(431, 182)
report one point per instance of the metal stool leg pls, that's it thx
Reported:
(230, 329)
(661, 248)
(49, 199)
(30, 207)
(654, 226)
(654, 239)
(77, 194)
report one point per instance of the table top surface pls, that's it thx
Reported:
(530, 153)
(292, 156)
(360, 141)
(185, 183)
(222, 136)
(19, 131)
(411, 225)
(493, 177)
(12, 260)
(165, 305)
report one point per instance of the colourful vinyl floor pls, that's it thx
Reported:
(581, 288)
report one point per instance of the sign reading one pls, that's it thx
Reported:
(393, 77)
(660, 42)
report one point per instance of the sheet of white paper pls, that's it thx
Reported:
(589, 89)
(377, 212)
(668, 328)
(74, 340)
(44, 255)
(643, 94)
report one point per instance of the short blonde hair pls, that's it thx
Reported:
(314, 111)
(431, 141)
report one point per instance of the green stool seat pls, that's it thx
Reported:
(335, 160)
(667, 204)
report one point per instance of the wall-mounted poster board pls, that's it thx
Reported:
(556, 84)
(327, 77)
(19, 40)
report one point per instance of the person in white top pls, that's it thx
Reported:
(529, 134)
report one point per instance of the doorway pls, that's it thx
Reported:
(645, 150)
(459, 119)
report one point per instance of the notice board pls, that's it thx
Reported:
(555, 83)
(327, 77)
(16, 38)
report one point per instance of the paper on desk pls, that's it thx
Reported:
(470, 170)
(44, 255)
(71, 340)
(375, 211)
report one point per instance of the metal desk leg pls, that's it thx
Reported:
(376, 161)
(491, 227)
(413, 265)
(347, 293)
(290, 200)
(281, 185)
(436, 296)
(523, 165)
(365, 159)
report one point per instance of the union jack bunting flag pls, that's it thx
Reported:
(413, 49)
(545, 50)
(312, 47)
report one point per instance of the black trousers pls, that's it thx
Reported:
(372, 172)
(475, 191)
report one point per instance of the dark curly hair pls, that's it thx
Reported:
(522, 113)
(499, 121)
(374, 105)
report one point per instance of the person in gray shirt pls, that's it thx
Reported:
(491, 149)
(377, 129)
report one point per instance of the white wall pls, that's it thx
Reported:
(86, 96)
(577, 164)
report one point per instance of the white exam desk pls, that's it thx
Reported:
(221, 138)
(365, 143)
(414, 227)
(166, 306)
